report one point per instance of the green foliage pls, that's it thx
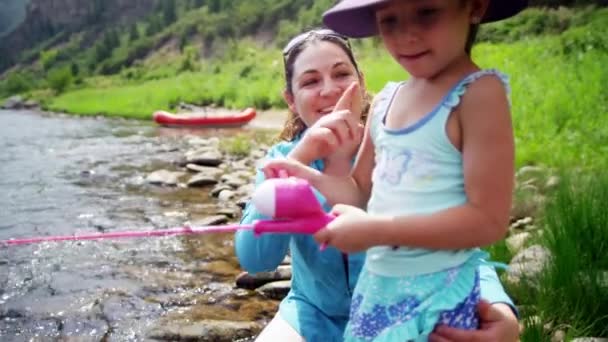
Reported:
(133, 33)
(16, 83)
(190, 59)
(576, 232)
(168, 11)
(48, 58)
(534, 22)
(591, 36)
(60, 78)
(239, 145)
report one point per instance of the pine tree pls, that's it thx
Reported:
(133, 33)
(169, 14)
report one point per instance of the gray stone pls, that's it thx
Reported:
(207, 330)
(200, 180)
(226, 195)
(229, 212)
(210, 220)
(164, 177)
(205, 159)
(13, 102)
(215, 192)
(528, 263)
(213, 171)
(275, 290)
(253, 281)
(590, 339)
(516, 242)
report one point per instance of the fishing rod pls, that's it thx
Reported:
(290, 202)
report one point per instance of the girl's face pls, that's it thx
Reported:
(321, 73)
(426, 36)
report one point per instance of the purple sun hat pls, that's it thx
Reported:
(356, 18)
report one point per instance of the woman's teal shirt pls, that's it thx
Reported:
(318, 304)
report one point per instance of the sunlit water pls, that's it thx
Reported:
(66, 175)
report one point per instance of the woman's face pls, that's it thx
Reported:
(321, 73)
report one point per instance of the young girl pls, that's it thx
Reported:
(435, 169)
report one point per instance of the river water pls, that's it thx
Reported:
(66, 175)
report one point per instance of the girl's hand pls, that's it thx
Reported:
(278, 168)
(351, 231)
(498, 323)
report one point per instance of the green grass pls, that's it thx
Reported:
(559, 99)
(572, 293)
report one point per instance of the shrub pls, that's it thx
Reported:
(17, 82)
(60, 78)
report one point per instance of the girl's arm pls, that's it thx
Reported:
(488, 162)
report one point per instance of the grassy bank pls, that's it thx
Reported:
(570, 297)
(559, 100)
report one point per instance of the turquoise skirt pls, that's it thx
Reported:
(409, 308)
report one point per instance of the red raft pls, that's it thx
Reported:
(198, 120)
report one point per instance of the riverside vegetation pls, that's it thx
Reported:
(557, 63)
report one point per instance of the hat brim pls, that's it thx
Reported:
(357, 19)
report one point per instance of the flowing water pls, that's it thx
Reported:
(65, 175)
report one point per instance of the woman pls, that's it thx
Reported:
(319, 66)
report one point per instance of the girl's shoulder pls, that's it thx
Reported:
(486, 75)
(483, 83)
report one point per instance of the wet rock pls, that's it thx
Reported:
(85, 329)
(229, 212)
(246, 189)
(528, 264)
(201, 180)
(205, 159)
(275, 290)
(31, 104)
(207, 330)
(211, 220)
(120, 312)
(208, 170)
(13, 102)
(257, 154)
(215, 192)
(164, 177)
(253, 281)
(198, 142)
(242, 202)
(233, 182)
(590, 339)
(226, 195)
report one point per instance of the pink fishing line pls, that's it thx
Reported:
(290, 201)
(129, 234)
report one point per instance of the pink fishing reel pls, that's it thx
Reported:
(292, 205)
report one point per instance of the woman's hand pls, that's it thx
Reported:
(351, 231)
(498, 323)
(334, 136)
